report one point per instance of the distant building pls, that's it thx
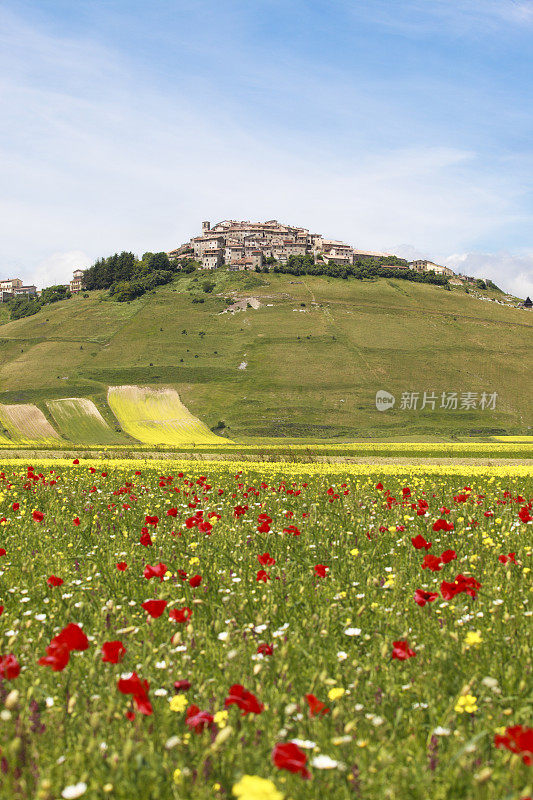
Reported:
(76, 284)
(30, 291)
(429, 266)
(212, 258)
(527, 303)
(10, 284)
(235, 243)
(13, 287)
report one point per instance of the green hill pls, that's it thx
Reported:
(307, 363)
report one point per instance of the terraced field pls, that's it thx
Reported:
(80, 421)
(157, 416)
(26, 423)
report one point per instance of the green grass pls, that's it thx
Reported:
(312, 371)
(80, 422)
(394, 730)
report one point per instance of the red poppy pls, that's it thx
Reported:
(1, 610)
(145, 539)
(197, 720)
(524, 514)
(156, 571)
(154, 607)
(195, 581)
(265, 649)
(172, 512)
(73, 637)
(180, 614)
(379, 487)
(422, 597)
(16, 506)
(447, 556)
(76, 521)
(113, 652)
(245, 700)
(266, 560)
(139, 690)
(420, 543)
(53, 580)
(321, 570)
(57, 656)
(292, 530)
(432, 562)
(122, 566)
(204, 526)
(3, 552)
(461, 583)
(518, 739)
(508, 558)
(402, 651)
(262, 576)
(58, 651)
(289, 756)
(264, 527)
(76, 461)
(38, 516)
(316, 706)
(443, 525)
(182, 685)
(9, 667)
(151, 520)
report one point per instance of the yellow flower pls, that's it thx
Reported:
(177, 775)
(194, 560)
(335, 693)
(251, 787)
(220, 718)
(354, 552)
(473, 638)
(466, 704)
(178, 703)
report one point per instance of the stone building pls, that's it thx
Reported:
(232, 241)
(429, 266)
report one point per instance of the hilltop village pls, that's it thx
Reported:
(240, 245)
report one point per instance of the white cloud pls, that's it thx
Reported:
(511, 273)
(58, 267)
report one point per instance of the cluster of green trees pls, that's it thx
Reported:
(128, 277)
(27, 306)
(364, 268)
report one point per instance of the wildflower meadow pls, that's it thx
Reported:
(178, 630)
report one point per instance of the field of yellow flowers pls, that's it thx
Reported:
(265, 631)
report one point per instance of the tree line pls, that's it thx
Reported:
(363, 268)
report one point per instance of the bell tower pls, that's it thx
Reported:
(206, 227)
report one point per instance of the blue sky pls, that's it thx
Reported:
(404, 126)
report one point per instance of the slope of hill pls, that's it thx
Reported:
(307, 362)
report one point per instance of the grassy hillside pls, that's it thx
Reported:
(316, 352)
